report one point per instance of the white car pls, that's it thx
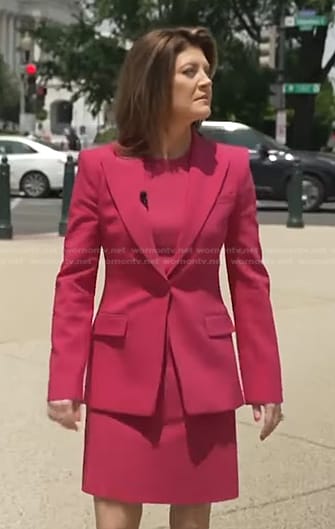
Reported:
(36, 168)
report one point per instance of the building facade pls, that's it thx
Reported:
(12, 16)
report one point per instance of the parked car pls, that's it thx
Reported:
(36, 168)
(271, 164)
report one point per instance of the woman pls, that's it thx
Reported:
(162, 384)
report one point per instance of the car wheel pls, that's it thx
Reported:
(35, 184)
(313, 192)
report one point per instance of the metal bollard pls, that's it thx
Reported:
(294, 197)
(69, 174)
(6, 229)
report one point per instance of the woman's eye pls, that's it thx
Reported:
(190, 72)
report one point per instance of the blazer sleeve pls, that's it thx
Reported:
(249, 284)
(75, 288)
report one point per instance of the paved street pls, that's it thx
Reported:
(33, 216)
(286, 483)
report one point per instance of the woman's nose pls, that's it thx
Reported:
(205, 79)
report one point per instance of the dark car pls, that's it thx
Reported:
(272, 164)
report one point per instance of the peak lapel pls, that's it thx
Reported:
(206, 177)
(125, 182)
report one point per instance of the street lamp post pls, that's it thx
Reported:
(27, 119)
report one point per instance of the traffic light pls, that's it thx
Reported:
(30, 84)
(267, 47)
(31, 70)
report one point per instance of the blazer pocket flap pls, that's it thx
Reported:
(107, 324)
(219, 325)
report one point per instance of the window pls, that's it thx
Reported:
(218, 135)
(15, 147)
(244, 137)
(61, 114)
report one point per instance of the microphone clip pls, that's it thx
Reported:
(144, 199)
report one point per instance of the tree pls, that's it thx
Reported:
(82, 58)
(87, 60)
(241, 88)
(308, 69)
(304, 61)
(324, 115)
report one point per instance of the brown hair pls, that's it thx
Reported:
(144, 95)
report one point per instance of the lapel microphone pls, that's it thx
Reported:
(144, 199)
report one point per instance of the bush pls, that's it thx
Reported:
(106, 136)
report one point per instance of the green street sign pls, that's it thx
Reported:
(308, 23)
(301, 88)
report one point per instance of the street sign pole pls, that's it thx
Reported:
(281, 111)
(281, 126)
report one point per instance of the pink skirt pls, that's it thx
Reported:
(168, 458)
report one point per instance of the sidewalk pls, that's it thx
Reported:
(286, 483)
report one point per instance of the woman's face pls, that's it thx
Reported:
(192, 87)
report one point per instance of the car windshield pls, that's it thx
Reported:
(235, 134)
(271, 142)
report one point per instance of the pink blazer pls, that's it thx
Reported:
(121, 351)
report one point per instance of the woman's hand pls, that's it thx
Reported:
(65, 412)
(272, 417)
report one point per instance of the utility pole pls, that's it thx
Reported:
(273, 57)
(281, 115)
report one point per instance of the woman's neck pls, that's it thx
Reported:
(176, 142)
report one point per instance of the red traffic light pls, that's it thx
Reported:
(31, 69)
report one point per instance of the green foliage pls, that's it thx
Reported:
(133, 17)
(241, 88)
(41, 114)
(84, 60)
(324, 115)
(321, 6)
(325, 103)
(106, 136)
(88, 61)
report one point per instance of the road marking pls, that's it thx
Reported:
(15, 203)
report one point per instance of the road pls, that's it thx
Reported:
(40, 216)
